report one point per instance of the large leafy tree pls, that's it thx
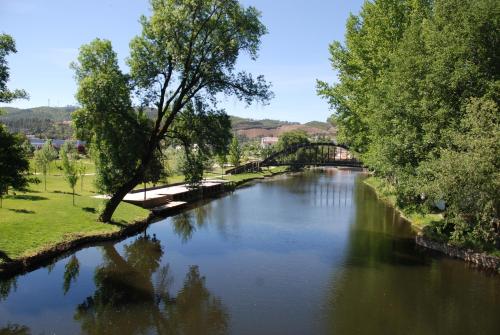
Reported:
(115, 131)
(187, 51)
(410, 75)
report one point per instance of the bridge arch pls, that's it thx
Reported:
(305, 154)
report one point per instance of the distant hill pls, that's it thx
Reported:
(54, 114)
(253, 129)
(240, 123)
(43, 119)
(319, 125)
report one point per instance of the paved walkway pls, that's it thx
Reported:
(163, 192)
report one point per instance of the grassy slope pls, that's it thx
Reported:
(385, 193)
(32, 221)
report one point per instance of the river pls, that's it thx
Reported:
(315, 253)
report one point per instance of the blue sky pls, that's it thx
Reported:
(293, 55)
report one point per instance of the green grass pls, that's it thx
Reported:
(35, 220)
(243, 177)
(387, 193)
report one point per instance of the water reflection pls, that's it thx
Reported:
(71, 272)
(7, 285)
(315, 253)
(389, 286)
(15, 329)
(334, 191)
(132, 296)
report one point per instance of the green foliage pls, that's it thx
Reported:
(466, 177)
(70, 167)
(192, 167)
(292, 138)
(7, 46)
(43, 157)
(221, 161)
(82, 170)
(116, 133)
(235, 152)
(412, 77)
(43, 122)
(14, 165)
(156, 170)
(186, 55)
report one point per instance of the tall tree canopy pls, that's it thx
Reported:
(409, 73)
(7, 46)
(187, 52)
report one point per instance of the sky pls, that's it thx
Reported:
(293, 55)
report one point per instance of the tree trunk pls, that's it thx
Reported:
(124, 189)
(117, 197)
(73, 196)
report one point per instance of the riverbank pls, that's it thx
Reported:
(419, 221)
(39, 226)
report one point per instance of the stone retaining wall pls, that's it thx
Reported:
(481, 259)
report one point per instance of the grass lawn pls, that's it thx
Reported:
(32, 221)
(387, 193)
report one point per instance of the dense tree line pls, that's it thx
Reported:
(41, 128)
(14, 165)
(417, 100)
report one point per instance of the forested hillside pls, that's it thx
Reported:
(417, 99)
(48, 122)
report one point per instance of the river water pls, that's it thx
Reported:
(315, 253)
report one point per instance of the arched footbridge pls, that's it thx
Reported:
(304, 154)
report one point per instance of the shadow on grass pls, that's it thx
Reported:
(26, 197)
(67, 193)
(4, 257)
(33, 191)
(22, 211)
(89, 210)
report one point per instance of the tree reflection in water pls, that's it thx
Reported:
(128, 300)
(184, 223)
(6, 286)
(15, 329)
(71, 272)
